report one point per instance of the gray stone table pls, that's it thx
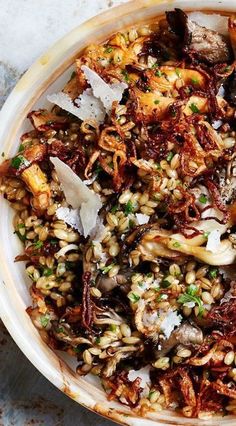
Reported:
(27, 29)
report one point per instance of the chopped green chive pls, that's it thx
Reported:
(126, 75)
(112, 327)
(3, 154)
(206, 234)
(19, 161)
(203, 198)
(161, 297)
(170, 156)
(44, 320)
(129, 208)
(38, 244)
(114, 208)
(106, 269)
(109, 49)
(192, 290)
(158, 73)
(176, 244)
(195, 80)
(47, 272)
(185, 298)
(178, 72)
(21, 148)
(213, 272)
(156, 102)
(134, 298)
(20, 232)
(194, 108)
(165, 283)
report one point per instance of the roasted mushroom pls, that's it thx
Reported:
(186, 334)
(199, 42)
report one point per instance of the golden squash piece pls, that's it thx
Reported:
(36, 181)
(165, 78)
(43, 120)
(153, 106)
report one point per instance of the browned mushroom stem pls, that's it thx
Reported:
(197, 41)
(106, 284)
(186, 334)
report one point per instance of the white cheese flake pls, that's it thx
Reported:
(170, 321)
(90, 107)
(78, 196)
(142, 219)
(103, 91)
(213, 241)
(93, 103)
(71, 217)
(65, 102)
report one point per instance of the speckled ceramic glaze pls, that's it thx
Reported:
(48, 74)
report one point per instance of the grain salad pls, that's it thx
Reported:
(124, 195)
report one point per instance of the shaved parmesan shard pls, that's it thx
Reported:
(213, 21)
(171, 320)
(142, 219)
(65, 102)
(90, 107)
(71, 217)
(93, 103)
(78, 195)
(213, 242)
(103, 91)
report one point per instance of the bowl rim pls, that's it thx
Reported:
(38, 74)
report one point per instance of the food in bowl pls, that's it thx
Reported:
(124, 198)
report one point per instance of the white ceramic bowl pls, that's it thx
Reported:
(47, 74)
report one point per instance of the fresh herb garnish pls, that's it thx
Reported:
(203, 198)
(176, 244)
(156, 102)
(132, 224)
(178, 72)
(134, 298)
(98, 169)
(158, 73)
(194, 108)
(195, 80)
(21, 232)
(126, 75)
(44, 320)
(170, 156)
(21, 148)
(161, 297)
(19, 161)
(109, 49)
(47, 272)
(213, 272)
(165, 283)
(129, 208)
(190, 296)
(113, 328)
(106, 269)
(38, 244)
(206, 234)
(114, 208)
